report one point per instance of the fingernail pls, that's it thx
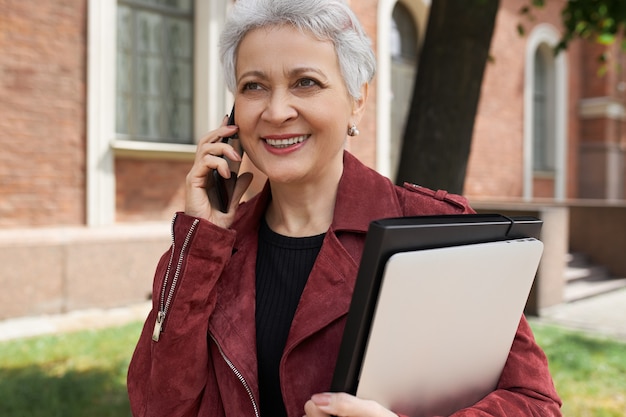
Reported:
(235, 156)
(321, 399)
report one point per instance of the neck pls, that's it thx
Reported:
(300, 210)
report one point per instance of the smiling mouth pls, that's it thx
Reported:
(284, 143)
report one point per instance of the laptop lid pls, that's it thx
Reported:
(444, 323)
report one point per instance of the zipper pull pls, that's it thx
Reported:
(158, 325)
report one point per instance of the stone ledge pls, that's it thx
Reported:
(59, 235)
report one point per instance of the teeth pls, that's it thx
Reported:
(283, 143)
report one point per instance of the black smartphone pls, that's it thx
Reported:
(219, 189)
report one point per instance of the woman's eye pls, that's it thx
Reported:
(252, 86)
(307, 82)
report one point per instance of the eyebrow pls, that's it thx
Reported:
(303, 70)
(292, 73)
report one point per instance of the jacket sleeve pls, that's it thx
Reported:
(525, 387)
(161, 380)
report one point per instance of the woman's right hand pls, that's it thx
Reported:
(208, 158)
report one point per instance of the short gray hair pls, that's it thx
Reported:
(326, 19)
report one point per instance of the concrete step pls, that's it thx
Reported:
(584, 279)
(589, 273)
(576, 259)
(581, 289)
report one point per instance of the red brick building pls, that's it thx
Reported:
(101, 102)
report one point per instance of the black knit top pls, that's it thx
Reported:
(282, 269)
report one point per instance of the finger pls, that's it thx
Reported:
(216, 135)
(210, 156)
(205, 162)
(312, 410)
(346, 405)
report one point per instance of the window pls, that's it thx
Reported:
(193, 89)
(154, 94)
(543, 111)
(403, 35)
(403, 50)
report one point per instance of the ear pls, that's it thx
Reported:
(358, 105)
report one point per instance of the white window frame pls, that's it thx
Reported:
(210, 100)
(545, 33)
(419, 9)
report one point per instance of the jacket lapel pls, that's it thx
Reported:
(328, 292)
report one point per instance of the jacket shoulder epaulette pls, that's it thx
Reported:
(455, 200)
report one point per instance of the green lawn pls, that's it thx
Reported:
(84, 373)
(71, 375)
(589, 372)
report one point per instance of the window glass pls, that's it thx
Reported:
(543, 111)
(403, 48)
(403, 34)
(155, 70)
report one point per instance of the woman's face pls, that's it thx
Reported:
(292, 106)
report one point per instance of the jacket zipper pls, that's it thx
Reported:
(164, 304)
(239, 377)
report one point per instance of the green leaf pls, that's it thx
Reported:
(581, 28)
(606, 39)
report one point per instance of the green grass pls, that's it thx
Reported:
(589, 372)
(84, 373)
(70, 375)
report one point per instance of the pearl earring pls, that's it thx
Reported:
(353, 131)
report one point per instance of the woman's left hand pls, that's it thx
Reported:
(343, 405)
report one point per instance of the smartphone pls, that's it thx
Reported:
(219, 189)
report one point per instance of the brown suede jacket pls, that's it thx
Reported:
(204, 362)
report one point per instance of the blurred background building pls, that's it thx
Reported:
(101, 102)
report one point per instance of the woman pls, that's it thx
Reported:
(249, 306)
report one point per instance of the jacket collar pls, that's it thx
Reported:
(363, 196)
(358, 188)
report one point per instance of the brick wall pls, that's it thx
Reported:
(364, 145)
(149, 189)
(42, 112)
(495, 166)
(603, 148)
(576, 81)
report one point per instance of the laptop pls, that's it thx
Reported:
(438, 322)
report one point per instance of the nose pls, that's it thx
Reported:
(279, 108)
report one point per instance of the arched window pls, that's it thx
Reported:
(403, 50)
(545, 115)
(544, 134)
(403, 35)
